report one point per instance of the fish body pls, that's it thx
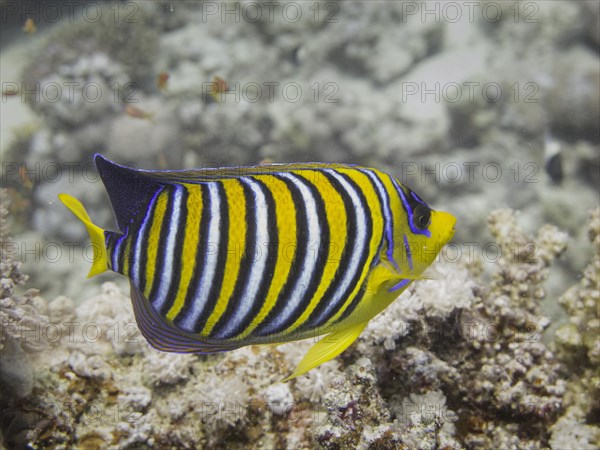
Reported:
(24, 177)
(138, 113)
(29, 26)
(11, 91)
(162, 81)
(218, 87)
(223, 258)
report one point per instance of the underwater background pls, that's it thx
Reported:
(488, 109)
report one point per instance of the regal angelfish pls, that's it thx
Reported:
(223, 258)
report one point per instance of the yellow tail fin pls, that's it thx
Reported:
(100, 263)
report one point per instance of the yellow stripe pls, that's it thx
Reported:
(337, 220)
(153, 240)
(127, 255)
(285, 212)
(236, 203)
(374, 209)
(190, 246)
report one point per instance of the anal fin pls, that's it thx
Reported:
(165, 337)
(327, 348)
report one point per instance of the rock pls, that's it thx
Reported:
(573, 100)
(590, 15)
(51, 218)
(279, 398)
(149, 143)
(16, 372)
(84, 91)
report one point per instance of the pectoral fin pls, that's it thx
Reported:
(327, 348)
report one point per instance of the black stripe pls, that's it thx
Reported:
(178, 253)
(313, 321)
(110, 242)
(272, 259)
(162, 243)
(246, 264)
(301, 253)
(200, 257)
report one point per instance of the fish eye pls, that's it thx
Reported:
(421, 217)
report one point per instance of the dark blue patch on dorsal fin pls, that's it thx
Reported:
(130, 191)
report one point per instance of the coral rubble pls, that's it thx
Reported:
(453, 363)
(578, 345)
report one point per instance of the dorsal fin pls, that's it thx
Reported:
(217, 174)
(130, 191)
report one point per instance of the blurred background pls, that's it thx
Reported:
(474, 105)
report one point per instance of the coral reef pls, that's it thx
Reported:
(579, 340)
(467, 358)
(109, 388)
(578, 345)
(455, 362)
(19, 325)
(476, 374)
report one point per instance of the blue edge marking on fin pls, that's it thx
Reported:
(399, 285)
(162, 336)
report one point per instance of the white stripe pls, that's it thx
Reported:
(257, 271)
(361, 243)
(166, 277)
(208, 274)
(387, 213)
(115, 255)
(312, 243)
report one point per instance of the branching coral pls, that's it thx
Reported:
(20, 325)
(579, 340)
(20, 315)
(110, 388)
(358, 417)
(526, 261)
(578, 345)
(450, 364)
(469, 356)
(354, 406)
(506, 369)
